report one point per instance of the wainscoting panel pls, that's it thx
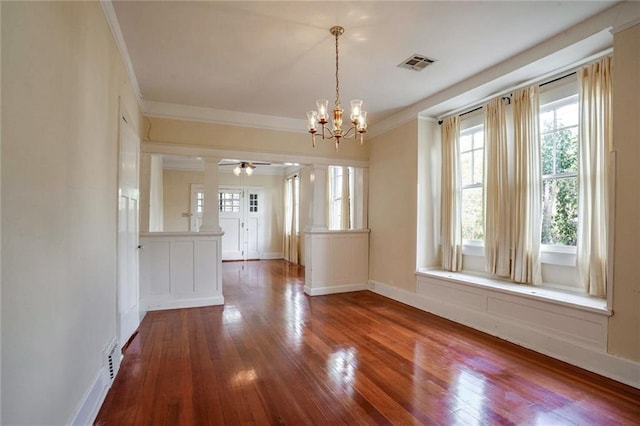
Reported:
(336, 261)
(180, 270)
(504, 310)
(567, 331)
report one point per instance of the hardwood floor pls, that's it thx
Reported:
(273, 355)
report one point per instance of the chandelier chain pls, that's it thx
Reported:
(337, 79)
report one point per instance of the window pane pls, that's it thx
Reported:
(478, 139)
(567, 150)
(465, 143)
(478, 165)
(567, 115)
(560, 211)
(546, 154)
(472, 216)
(466, 172)
(547, 121)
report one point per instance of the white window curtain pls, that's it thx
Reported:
(526, 210)
(497, 211)
(451, 235)
(595, 138)
(290, 220)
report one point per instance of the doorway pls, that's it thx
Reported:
(241, 213)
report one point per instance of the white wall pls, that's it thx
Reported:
(62, 77)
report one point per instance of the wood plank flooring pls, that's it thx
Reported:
(273, 355)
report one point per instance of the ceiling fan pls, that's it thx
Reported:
(247, 166)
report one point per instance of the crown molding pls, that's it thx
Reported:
(218, 116)
(167, 148)
(118, 38)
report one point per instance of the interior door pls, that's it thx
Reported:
(241, 212)
(230, 203)
(253, 224)
(128, 212)
(197, 206)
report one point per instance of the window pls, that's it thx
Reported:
(229, 202)
(341, 193)
(199, 202)
(559, 158)
(472, 177)
(253, 203)
(335, 197)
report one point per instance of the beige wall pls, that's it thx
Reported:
(177, 199)
(393, 176)
(624, 325)
(221, 136)
(61, 79)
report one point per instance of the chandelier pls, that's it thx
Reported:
(319, 118)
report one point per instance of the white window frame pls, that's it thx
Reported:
(555, 254)
(471, 245)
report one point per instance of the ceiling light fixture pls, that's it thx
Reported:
(247, 167)
(319, 118)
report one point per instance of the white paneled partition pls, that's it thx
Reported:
(180, 270)
(336, 261)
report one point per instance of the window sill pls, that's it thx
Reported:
(549, 254)
(559, 297)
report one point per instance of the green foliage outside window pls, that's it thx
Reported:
(559, 157)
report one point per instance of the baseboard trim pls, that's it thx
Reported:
(160, 305)
(589, 358)
(334, 289)
(271, 256)
(92, 400)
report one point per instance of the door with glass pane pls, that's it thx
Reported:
(241, 220)
(197, 206)
(230, 203)
(253, 224)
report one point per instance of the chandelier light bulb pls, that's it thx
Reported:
(362, 122)
(312, 117)
(249, 170)
(356, 109)
(237, 170)
(323, 107)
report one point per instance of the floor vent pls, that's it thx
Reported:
(112, 360)
(416, 62)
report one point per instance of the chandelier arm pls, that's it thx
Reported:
(328, 130)
(349, 134)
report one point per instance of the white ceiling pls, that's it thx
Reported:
(277, 58)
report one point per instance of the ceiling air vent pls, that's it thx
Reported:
(416, 62)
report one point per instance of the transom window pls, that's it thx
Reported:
(472, 175)
(559, 158)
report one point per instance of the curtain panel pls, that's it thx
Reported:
(290, 218)
(451, 222)
(525, 219)
(497, 206)
(595, 139)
